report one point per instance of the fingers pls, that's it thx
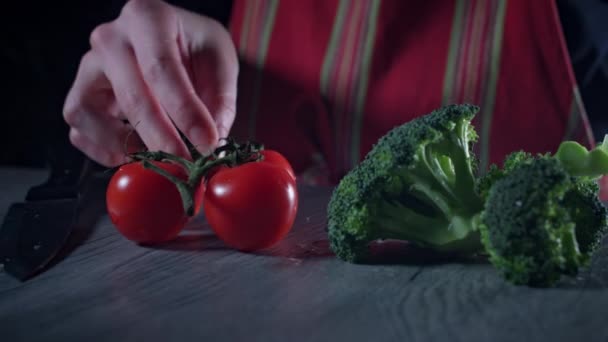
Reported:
(214, 68)
(88, 111)
(217, 88)
(90, 86)
(224, 85)
(154, 35)
(163, 69)
(103, 143)
(135, 100)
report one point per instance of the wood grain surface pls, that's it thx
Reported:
(105, 288)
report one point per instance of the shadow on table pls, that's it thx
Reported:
(395, 252)
(201, 238)
(188, 242)
(295, 249)
(196, 236)
(382, 253)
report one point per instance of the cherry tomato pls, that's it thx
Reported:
(146, 207)
(253, 205)
(270, 156)
(278, 159)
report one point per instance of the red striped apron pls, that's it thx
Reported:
(322, 80)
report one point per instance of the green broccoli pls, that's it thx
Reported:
(543, 217)
(494, 173)
(537, 217)
(589, 213)
(417, 184)
(579, 161)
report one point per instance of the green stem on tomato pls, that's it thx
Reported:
(190, 146)
(199, 172)
(160, 156)
(234, 154)
(185, 190)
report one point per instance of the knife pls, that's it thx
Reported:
(35, 231)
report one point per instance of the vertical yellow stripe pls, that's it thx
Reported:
(474, 67)
(463, 54)
(260, 61)
(247, 22)
(454, 50)
(267, 30)
(340, 87)
(488, 102)
(573, 118)
(361, 94)
(346, 63)
(330, 55)
(577, 118)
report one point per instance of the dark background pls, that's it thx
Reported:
(43, 41)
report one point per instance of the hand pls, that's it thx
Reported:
(155, 71)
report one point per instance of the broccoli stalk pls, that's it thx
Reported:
(436, 187)
(416, 184)
(579, 161)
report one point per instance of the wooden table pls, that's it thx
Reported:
(195, 289)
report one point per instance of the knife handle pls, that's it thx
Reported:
(68, 170)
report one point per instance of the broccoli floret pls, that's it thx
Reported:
(417, 184)
(541, 222)
(589, 213)
(494, 173)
